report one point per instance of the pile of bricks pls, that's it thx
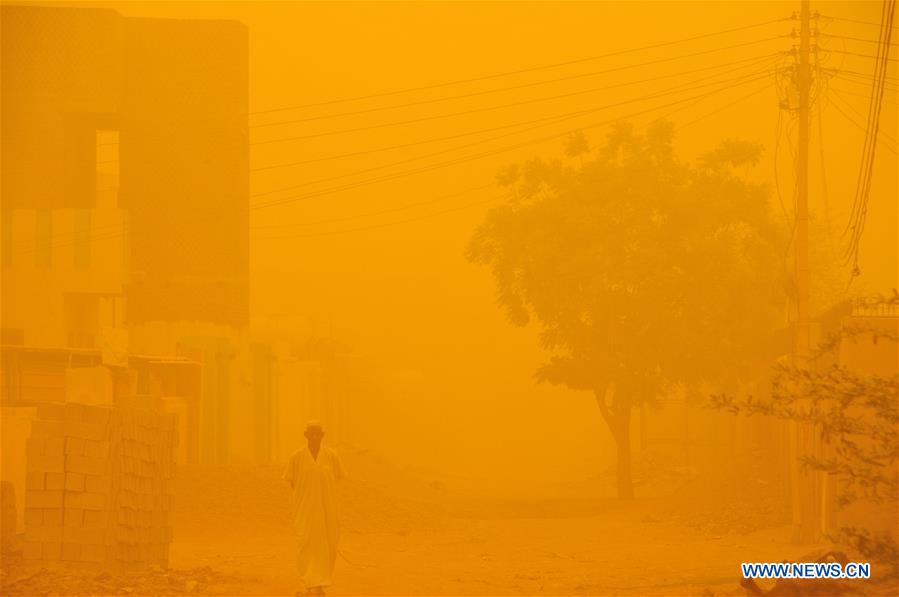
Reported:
(99, 485)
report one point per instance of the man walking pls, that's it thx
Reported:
(313, 473)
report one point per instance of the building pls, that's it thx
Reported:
(125, 197)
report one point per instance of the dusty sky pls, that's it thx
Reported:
(381, 265)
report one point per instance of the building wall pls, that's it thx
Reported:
(184, 151)
(61, 77)
(228, 383)
(171, 96)
(49, 281)
(869, 346)
(137, 127)
(874, 351)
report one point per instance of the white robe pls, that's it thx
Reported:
(314, 482)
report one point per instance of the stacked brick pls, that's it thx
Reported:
(99, 485)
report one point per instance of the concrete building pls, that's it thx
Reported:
(125, 227)
(125, 197)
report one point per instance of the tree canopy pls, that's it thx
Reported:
(638, 267)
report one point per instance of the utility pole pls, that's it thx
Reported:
(801, 338)
(803, 442)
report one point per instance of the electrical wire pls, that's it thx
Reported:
(891, 145)
(458, 147)
(378, 212)
(514, 87)
(386, 224)
(475, 156)
(752, 61)
(739, 100)
(859, 210)
(866, 76)
(848, 53)
(822, 165)
(848, 37)
(857, 21)
(436, 116)
(522, 70)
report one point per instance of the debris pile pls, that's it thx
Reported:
(152, 581)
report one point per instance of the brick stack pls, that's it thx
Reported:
(99, 485)
(145, 486)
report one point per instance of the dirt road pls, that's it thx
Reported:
(409, 533)
(408, 536)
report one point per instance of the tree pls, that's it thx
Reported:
(641, 270)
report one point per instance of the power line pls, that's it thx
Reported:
(848, 53)
(778, 133)
(670, 91)
(859, 210)
(680, 57)
(866, 84)
(378, 212)
(440, 116)
(476, 156)
(862, 39)
(751, 62)
(392, 147)
(822, 166)
(855, 123)
(429, 202)
(868, 76)
(455, 148)
(458, 208)
(521, 70)
(854, 92)
(791, 222)
(521, 86)
(739, 100)
(859, 22)
(385, 224)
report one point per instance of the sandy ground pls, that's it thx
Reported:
(406, 533)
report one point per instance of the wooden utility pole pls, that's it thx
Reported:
(801, 338)
(803, 441)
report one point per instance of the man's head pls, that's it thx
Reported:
(314, 434)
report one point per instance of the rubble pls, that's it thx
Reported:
(19, 579)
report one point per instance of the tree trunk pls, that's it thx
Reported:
(623, 444)
(618, 418)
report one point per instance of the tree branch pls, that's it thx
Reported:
(600, 394)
